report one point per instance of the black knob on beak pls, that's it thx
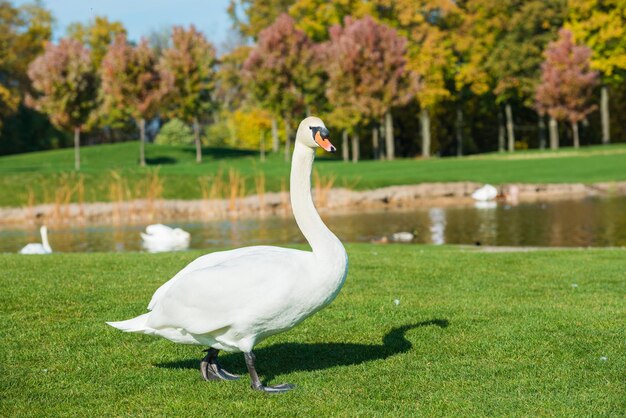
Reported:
(324, 133)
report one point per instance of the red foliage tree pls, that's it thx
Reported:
(66, 82)
(282, 70)
(191, 62)
(132, 84)
(566, 84)
(367, 76)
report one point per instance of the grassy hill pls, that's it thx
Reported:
(112, 170)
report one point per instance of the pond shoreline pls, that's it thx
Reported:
(336, 200)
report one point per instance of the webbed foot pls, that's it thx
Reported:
(211, 369)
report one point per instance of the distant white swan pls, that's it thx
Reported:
(232, 300)
(402, 236)
(160, 238)
(485, 193)
(36, 248)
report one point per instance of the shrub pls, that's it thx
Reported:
(175, 132)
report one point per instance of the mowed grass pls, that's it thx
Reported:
(473, 334)
(41, 173)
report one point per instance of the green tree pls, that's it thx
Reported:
(174, 132)
(66, 84)
(508, 38)
(191, 62)
(132, 84)
(601, 25)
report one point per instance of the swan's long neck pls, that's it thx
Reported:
(326, 246)
(44, 240)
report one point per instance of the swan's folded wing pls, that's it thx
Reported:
(252, 287)
(208, 260)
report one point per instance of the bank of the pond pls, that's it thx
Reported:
(416, 331)
(260, 205)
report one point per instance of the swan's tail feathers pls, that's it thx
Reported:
(137, 324)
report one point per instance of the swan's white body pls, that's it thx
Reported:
(36, 248)
(159, 238)
(485, 193)
(232, 300)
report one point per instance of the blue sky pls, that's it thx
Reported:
(140, 17)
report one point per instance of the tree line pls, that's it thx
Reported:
(391, 77)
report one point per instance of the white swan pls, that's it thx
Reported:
(232, 300)
(36, 248)
(485, 193)
(402, 236)
(159, 238)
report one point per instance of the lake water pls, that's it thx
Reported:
(594, 222)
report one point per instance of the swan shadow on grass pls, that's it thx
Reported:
(285, 358)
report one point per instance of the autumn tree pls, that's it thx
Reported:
(66, 85)
(24, 32)
(427, 24)
(279, 72)
(132, 83)
(191, 62)
(367, 73)
(566, 83)
(230, 87)
(259, 14)
(97, 35)
(601, 25)
(506, 40)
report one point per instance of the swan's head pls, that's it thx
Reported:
(313, 133)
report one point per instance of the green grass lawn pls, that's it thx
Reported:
(474, 334)
(42, 172)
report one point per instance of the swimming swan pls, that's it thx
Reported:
(159, 238)
(36, 248)
(232, 300)
(485, 193)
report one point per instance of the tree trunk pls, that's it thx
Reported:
(575, 135)
(375, 143)
(196, 136)
(287, 140)
(275, 141)
(459, 131)
(262, 146)
(355, 147)
(501, 131)
(554, 133)
(142, 142)
(389, 137)
(509, 127)
(77, 149)
(542, 133)
(345, 148)
(425, 122)
(604, 112)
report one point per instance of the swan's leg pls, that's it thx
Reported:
(256, 382)
(211, 369)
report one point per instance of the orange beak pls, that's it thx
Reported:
(324, 142)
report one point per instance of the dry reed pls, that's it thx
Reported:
(321, 187)
(259, 184)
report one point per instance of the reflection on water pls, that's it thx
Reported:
(597, 222)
